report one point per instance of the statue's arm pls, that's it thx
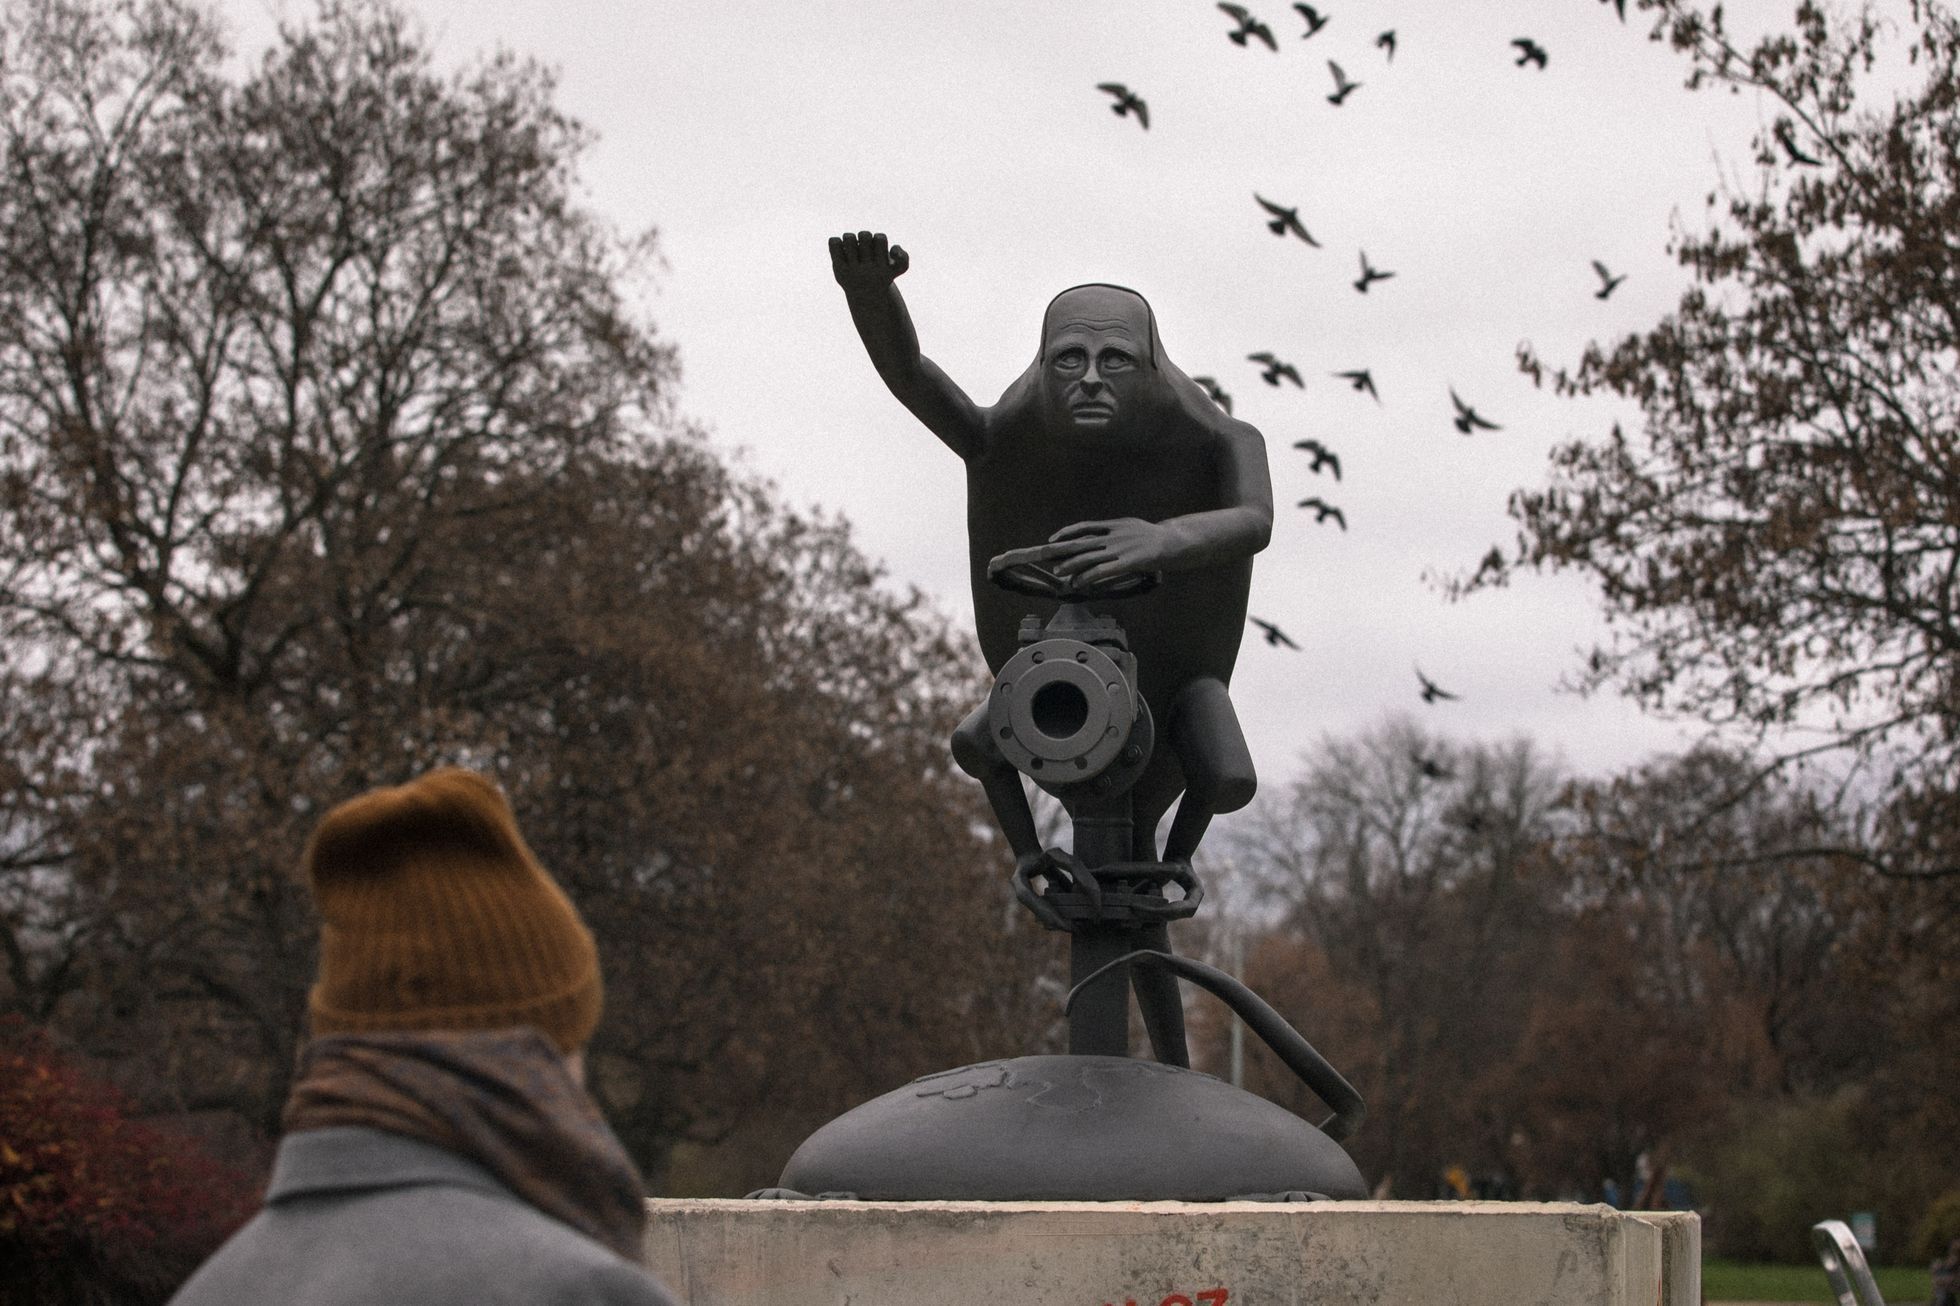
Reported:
(1242, 524)
(868, 267)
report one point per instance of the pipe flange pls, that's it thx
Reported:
(1061, 711)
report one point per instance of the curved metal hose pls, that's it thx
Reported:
(1271, 1027)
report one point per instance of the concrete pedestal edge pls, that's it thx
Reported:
(718, 1252)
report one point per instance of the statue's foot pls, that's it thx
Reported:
(1070, 895)
(1051, 876)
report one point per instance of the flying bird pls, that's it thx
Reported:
(1217, 393)
(1314, 20)
(1430, 768)
(1322, 456)
(1274, 635)
(1127, 102)
(1276, 369)
(1249, 26)
(1322, 510)
(1529, 51)
(1284, 220)
(1369, 274)
(1787, 139)
(1431, 691)
(1387, 42)
(1467, 417)
(1362, 381)
(1607, 281)
(1342, 86)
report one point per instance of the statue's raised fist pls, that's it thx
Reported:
(864, 260)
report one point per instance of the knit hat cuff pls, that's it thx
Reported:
(567, 1018)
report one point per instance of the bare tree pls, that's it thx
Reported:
(1410, 870)
(1777, 544)
(331, 448)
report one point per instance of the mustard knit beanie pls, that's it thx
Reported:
(435, 915)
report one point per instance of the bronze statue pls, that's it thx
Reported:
(1101, 460)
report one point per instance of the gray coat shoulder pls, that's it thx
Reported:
(366, 1218)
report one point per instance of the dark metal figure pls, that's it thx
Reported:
(1110, 462)
(1103, 476)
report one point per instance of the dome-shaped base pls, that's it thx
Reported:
(1070, 1128)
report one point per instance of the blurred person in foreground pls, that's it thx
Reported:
(439, 1146)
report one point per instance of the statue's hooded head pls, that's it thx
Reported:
(1101, 374)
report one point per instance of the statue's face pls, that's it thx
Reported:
(1094, 361)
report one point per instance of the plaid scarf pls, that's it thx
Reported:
(502, 1098)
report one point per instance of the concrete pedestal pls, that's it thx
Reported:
(725, 1253)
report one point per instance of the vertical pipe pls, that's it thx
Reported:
(1099, 1022)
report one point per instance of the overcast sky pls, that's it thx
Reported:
(748, 133)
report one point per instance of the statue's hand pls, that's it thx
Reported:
(1092, 552)
(864, 262)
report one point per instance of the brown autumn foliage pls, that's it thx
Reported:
(332, 448)
(1544, 979)
(1790, 1018)
(1776, 544)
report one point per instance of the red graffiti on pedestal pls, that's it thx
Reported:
(1209, 1297)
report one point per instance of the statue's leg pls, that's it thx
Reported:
(1210, 749)
(977, 754)
(1218, 776)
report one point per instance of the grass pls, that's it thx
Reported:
(1741, 1281)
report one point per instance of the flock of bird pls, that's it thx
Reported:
(1284, 221)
